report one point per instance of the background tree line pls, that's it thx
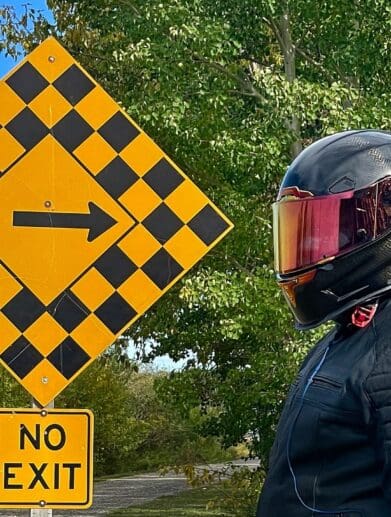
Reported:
(134, 429)
(232, 91)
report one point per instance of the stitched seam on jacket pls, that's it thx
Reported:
(370, 401)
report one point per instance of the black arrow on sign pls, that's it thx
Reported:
(96, 221)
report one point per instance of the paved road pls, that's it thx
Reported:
(127, 491)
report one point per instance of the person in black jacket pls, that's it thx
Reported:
(332, 226)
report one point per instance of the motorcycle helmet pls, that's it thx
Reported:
(332, 226)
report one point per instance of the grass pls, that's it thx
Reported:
(190, 503)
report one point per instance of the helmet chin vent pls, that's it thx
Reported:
(346, 296)
(329, 292)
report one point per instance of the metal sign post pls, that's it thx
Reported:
(41, 512)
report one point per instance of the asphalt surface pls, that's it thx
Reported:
(122, 492)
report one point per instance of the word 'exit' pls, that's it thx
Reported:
(54, 476)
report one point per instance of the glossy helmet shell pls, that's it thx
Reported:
(346, 161)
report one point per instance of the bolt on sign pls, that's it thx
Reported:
(96, 221)
(46, 458)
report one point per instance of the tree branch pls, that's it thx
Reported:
(274, 27)
(313, 61)
(248, 87)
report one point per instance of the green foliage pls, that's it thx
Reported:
(241, 492)
(190, 503)
(15, 29)
(134, 429)
(238, 486)
(12, 395)
(103, 388)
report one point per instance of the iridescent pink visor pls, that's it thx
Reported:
(310, 230)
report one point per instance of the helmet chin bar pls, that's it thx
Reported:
(327, 291)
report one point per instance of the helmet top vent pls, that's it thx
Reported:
(342, 185)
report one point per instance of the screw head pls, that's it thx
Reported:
(44, 380)
(51, 59)
(48, 204)
(42, 503)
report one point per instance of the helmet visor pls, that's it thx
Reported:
(312, 230)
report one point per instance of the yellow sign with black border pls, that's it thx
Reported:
(96, 221)
(46, 458)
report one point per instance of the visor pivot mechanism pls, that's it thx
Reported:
(363, 315)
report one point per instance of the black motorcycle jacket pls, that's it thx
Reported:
(332, 452)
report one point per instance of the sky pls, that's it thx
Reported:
(6, 64)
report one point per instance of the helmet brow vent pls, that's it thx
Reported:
(342, 185)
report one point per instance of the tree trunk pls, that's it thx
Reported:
(289, 53)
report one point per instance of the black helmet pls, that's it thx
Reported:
(332, 226)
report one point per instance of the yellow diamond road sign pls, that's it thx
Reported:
(96, 221)
(46, 458)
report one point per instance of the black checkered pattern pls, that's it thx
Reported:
(68, 357)
(74, 85)
(27, 129)
(23, 309)
(72, 130)
(27, 82)
(114, 266)
(21, 357)
(117, 177)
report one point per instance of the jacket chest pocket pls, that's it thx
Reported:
(328, 392)
(327, 383)
(331, 394)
